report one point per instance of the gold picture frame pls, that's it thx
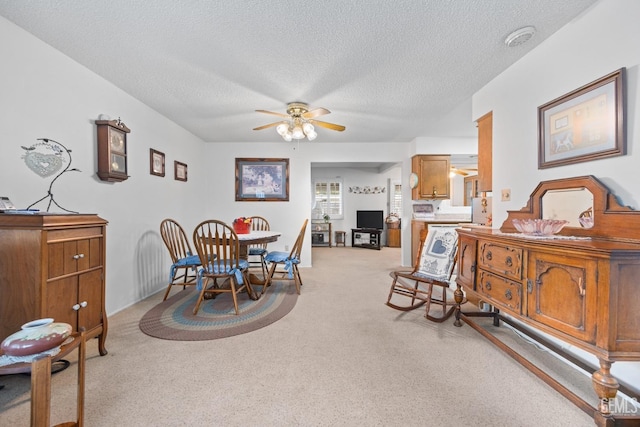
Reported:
(583, 125)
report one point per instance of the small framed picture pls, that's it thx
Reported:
(156, 162)
(180, 171)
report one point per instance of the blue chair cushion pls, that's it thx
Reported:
(283, 257)
(220, 268)
(189, 261)
(257, 251)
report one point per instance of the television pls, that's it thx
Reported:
(370, 219)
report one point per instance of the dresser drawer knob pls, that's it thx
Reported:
(509, 261)
(77, 307)
(488, 286)
(508, 295)
(489, 255)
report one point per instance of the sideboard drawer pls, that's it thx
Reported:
(500, 259)
(503, 291)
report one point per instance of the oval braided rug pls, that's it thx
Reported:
(173, 319)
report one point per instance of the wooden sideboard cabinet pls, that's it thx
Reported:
(53, 265)
(581, 288)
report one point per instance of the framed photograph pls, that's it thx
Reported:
(180, 171)
(262, 180)
(583, 125)
(156, 162)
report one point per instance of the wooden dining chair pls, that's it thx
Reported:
(218, 247)
(258, 251)
(286, 263)
(434, 266)
(185, 262)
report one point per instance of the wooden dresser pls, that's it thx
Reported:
(53, 265)
(582, 288)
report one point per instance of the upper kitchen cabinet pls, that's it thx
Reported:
(485, 144)
(432, 173)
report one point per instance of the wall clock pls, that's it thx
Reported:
(112, 150)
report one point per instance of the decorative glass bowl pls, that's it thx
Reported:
(539, 227)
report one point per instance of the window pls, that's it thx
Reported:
(396, 200)
(328, 198)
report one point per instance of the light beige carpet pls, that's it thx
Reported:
(341, 357)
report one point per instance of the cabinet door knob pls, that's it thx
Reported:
(76, 307)
(78, 256)
(83, 304)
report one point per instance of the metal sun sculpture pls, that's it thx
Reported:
(45, 158)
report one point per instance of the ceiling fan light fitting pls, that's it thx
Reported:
(297, 133)
(282, 129)
(299, 122)
(307, 128)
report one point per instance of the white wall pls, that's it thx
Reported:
(47, 95)
(598, 42)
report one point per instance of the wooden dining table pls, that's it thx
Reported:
(256, 237)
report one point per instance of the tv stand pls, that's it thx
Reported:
(366, 238)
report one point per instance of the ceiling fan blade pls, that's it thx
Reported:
(286, 116)
(315, 113)
(331, 126)
(270, 125)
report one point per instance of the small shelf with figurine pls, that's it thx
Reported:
(321, 233)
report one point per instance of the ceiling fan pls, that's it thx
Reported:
(299, 122)
(464, 171)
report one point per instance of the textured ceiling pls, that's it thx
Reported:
(389, 71)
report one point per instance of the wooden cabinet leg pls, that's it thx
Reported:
(605, 386)
(458, 297)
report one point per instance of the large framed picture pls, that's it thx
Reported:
(583, 125)
(156, 162)
(259, 180)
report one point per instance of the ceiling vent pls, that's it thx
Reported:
(520, 36)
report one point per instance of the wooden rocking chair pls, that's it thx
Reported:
(434, 266)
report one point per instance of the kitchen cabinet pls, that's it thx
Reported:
(485, 152)
(53, 265)
(579, 287)
(433, 177)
